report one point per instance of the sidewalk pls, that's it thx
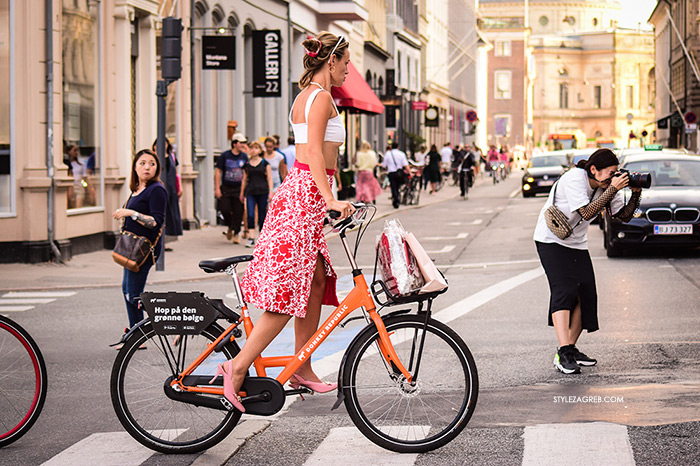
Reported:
(97, 268)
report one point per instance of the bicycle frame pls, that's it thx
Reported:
(358, 298)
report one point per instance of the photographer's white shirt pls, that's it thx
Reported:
(573, 192)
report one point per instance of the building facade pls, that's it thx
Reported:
(593, 88)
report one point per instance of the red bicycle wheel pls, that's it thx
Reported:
(22, 381)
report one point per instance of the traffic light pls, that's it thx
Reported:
(171, 49)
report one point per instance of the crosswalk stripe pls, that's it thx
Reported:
(444, 249)
(104, 449)
(590, 443)
(15, 308)
(459, 236)
(38, 294)
(343, 443)
(4, 301)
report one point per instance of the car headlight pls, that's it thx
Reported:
(530, 179)
(526, 187)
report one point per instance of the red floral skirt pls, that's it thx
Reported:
(278, 279)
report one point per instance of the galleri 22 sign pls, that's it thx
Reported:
(267, 63)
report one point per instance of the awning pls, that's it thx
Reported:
(355, 94)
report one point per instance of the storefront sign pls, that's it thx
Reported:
(267, 63)
(432, 117)
(218, 53)
(419, 105)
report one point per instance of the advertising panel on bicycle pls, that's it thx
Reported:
(174, 313)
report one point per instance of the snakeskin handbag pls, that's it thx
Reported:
(556, 221)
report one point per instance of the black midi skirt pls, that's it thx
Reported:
(571, 280)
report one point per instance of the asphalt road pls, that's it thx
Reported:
(648, 348)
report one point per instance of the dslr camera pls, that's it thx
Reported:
(637, 180)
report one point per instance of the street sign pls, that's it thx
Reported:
(419, 105)
(691, 117)
(471, 116)
(219, 52)
(267, 63)
(691, 127)
(432, 117)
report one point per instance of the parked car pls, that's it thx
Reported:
(543, 171)
(669, 212)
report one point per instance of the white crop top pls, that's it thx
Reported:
(335, 131)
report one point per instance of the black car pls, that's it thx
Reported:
(669, 212)
(542, 171)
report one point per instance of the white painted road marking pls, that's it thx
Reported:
(346, 445)
(444, 249)
(591, 443)
(4, 301)
(38, 294)
(15, 308)
(459, 236)
(104, 449)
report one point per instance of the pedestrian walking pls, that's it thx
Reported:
(367, 187)
(290, 153)
(228, 177)
(395, 162)
(171, 181)
(433, 160)
(580, 194)
(291, 272)
(276, 161)
(256, 189)
(143, 215)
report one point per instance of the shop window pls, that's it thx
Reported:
(81, 149)
(6, 165)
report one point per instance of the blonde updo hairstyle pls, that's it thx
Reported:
(318, 54)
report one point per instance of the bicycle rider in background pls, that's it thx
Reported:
(494, 158)
(466, 171)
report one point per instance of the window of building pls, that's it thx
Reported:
(629, 92)
(595, 22)
(563, 95)
(678, 77)
(597, 96)
(502, 82)
(81, 114)
(544, 21)
(651, 88)
(6, 165)
(501, 125)
(502, 48)
(398, 68)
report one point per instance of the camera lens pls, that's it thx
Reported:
(640, 180)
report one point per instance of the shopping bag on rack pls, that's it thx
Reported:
(434, 281)
(398, 265)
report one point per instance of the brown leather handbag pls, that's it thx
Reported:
(131, 251)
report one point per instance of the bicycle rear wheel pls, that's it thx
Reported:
(404, 417)
(139, 399)
(23, 381)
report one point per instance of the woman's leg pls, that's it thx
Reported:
(268, 326)
(561, 321)
(575, 326)
(262, 210)
(305, 328)
(133, 285)
(250, 207)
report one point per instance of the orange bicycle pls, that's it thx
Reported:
(409, 382)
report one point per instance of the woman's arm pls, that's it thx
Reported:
(268, 176)
(590, 210)
(625, 214)
(283, 169)
(244, 182)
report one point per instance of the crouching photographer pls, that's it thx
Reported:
(561, 238)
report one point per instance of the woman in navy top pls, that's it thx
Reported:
(143, 215)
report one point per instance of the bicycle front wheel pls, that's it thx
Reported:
(22, 381)
(139, 373)
(411, 417)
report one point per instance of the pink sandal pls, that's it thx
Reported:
(229, 393)
(318, 387)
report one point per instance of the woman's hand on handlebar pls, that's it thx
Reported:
(345, 208)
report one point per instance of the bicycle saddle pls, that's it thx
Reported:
(222, 263)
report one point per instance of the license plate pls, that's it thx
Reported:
(673, 229)
(545, 183)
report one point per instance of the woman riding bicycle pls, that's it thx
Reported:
(291, 273)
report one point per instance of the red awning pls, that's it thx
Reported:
(355, 94)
